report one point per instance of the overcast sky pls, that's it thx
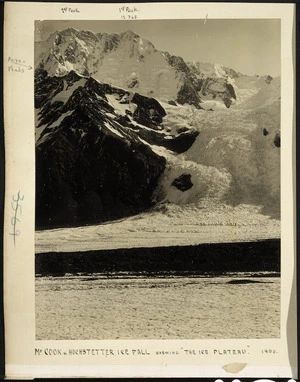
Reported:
(250, 46)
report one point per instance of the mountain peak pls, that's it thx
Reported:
(69, 31)
(129, 34)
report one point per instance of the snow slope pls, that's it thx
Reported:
(126, 60)
(170, 225)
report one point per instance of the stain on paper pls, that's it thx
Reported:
(234, 367)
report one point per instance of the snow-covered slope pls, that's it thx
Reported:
(125, 60)
(216, 70)
(235, 158)
(170, 225)
(218, 83)
(255, 92)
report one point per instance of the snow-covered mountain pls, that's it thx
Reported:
(129, 61)
(124, 60)
(200, 151)
(216, 83)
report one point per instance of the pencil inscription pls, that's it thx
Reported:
(17, 65)
(70, 10)
(17, 208)
(128, 13)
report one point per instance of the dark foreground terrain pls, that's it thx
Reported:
(214, 259)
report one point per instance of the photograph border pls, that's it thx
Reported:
(13, 260)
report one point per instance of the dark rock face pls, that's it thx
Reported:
(133, 83)
(228, 95)
(188, 95)
(183, 182)
(99, 179)
(111, 42)
(149, 111)
(277, 140)
(178, 144)
(232, 73)
(217, 88)
(45, 87)
(177, 62)
(244, 281)
(181, 142)
(182, 129)
(268, 80)
(90, 167)
(265, 132)
(225, 93)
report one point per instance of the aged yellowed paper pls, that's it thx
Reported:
(149, 207)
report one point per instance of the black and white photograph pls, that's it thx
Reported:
(149, 211)
(157, 179)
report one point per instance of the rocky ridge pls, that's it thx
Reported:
(93, 150)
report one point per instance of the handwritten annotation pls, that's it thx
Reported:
(138, 352)
(17, 65)
(16, 206)
(128, 13)
(70, 10)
